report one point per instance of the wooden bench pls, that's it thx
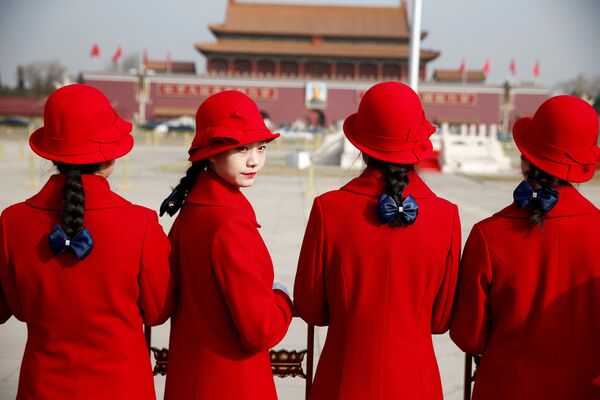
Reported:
(284, 363)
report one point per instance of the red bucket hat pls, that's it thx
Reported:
(390, 125)
(81, 127)
(561, 138)
(224, 121)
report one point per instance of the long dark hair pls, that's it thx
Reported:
(173, 203)
(396, 180)
(539, 179)
(73, 195)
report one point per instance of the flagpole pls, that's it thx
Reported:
(415, 46)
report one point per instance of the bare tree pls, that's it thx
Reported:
(40, 77)
(582, 86)
(130, 60)
(20, 79)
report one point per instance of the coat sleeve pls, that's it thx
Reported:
(442, 309)
(471, 324)
(157, 296)
(310, 296)
(244, 272)
(5, 278)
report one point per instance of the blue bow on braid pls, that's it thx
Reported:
(524, 194)
(388, 209)
(81, 243)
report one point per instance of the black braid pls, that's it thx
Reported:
(173, 203)
(396, 180)
(73, 195)
(539, 179)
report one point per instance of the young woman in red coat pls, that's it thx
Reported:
(228, 314)
(529, 287)
(80, 265)
(379, 260)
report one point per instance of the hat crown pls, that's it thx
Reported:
(389, 108)
(565, 122)
(561, 138)
(75, 112)
(228, 109)
(224, 121)
(81, 127)
(390, 125)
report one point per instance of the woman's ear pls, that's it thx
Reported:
(107, 164)
(106, 168)
(210, 163)
(525, 165)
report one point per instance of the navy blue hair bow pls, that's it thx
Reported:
(388, 209)
(524, 194)
(81, 243)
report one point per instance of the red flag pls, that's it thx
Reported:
(95, 52)
(117, 55)
(513, 67)
(145, 58)
(169, 63)
(536, 69)
(487, 67)
(463, 65)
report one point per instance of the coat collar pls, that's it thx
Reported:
(96, 188)
(211, 190)
(570, 202)
(371, 183)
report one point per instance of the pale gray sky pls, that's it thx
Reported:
(563, 34)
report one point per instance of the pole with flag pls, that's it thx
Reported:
(95, 54)
(145, 59)
(487, 67)
(463, 70)
(513, 67)
(169, 63)
(536, 69)
(415, 46)
(117, 56)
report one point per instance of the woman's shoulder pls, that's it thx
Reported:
(215, 217)
(136, 214)
(14, 210)
(138, 209)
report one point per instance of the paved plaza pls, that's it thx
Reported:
(282, 199)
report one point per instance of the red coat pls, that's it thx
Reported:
(529, 301)
(84, 318)
(227, 316)
(383, 291)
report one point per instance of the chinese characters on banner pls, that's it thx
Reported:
(440, 98)
(191, 90)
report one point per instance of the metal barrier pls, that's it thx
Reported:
(284, 363)
(470, 373)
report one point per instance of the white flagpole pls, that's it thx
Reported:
(415, 46)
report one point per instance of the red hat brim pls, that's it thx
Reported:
(565, 169)
(219, 147)
(421, 150)
(85, 151)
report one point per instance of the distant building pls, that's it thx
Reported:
(458, 76)
(172, 67)
(295, 59)
(312, 41)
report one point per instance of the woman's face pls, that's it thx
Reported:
(240, 166)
